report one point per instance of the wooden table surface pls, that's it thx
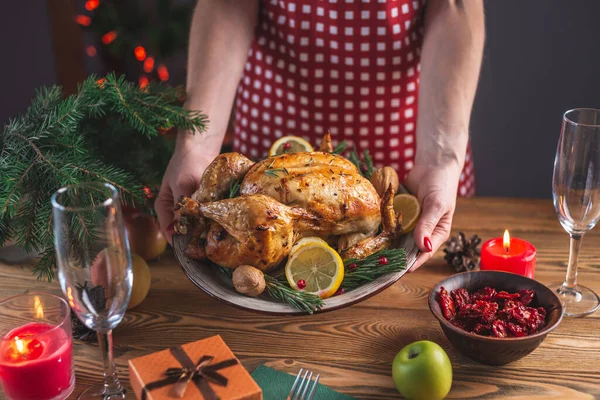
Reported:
(353, 348)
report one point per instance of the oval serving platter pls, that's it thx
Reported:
(212, 281)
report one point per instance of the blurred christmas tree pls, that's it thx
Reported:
(141, 39)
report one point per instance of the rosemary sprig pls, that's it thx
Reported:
(273, 172)
(370, 268)
(302, 301)
(343, 145)
(226, 271)
(234, 188)
(368, 163)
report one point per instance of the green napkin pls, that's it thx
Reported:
(276, 385)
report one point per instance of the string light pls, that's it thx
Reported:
(91, 51)
(91, 5)
(163, 73)
(140, 53)
(143, 82)
(149, 65)
(108, 37)
(83, 20)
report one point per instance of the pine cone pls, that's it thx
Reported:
(462, 253)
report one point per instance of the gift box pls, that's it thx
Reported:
(202, 370)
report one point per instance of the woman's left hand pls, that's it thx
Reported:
(436, 188)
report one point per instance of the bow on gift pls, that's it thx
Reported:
(199, 373)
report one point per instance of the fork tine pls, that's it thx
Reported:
(311, 394)
(289, 397)
(306, 387)
(299, 390)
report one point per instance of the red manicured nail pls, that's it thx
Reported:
(171, 227)
(427, 243)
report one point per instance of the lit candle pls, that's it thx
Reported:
(35, 362)
(509, 254)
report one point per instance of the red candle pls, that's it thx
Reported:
(35, 362)
(509, 255)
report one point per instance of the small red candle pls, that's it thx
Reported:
(509, 254)
(36, 348)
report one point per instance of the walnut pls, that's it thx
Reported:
(249, 280)
(383, 177)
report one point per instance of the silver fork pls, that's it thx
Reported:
(300, 388)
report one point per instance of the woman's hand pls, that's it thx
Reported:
(435, 187)
(181, 178)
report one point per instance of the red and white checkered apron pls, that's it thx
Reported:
(350, 67)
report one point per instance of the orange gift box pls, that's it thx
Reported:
(202, 370)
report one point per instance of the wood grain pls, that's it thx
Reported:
(353, 348)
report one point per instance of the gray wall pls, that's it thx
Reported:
(539, 61)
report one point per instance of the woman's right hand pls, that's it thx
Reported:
(181, 178)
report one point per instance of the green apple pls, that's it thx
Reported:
(422, 370)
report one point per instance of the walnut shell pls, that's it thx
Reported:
(383, 177)
(249, 280)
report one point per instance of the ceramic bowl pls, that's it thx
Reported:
(492, 350)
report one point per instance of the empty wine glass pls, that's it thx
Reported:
(94, 267)
(576, 193)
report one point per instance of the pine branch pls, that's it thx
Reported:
(55, 143)
(341, 147)
(234, 188)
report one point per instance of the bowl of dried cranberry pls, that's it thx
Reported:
(494, 317)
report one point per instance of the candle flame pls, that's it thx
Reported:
(70, 297)
(19, 345)
(39, 309)
(506, 241)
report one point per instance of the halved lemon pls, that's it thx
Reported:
(410, 208)
(289, 144)
(305, 241)
(319, 266)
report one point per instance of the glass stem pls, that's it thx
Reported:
(571, 279)
(111, 381)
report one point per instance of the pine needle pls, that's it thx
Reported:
(370, 268)
(103, 133)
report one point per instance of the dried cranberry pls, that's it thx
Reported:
(526, 296)
(499, 329)
(461, 297)
(446, 304)
(503, 295)
(482, 329)
(487, 294)
(542, 311)
(483, 310)
(516, 330)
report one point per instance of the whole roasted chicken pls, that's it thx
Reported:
(282, 199)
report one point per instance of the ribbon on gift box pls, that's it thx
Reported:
(199, 373)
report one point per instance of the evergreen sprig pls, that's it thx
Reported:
(65, 141)
(370, 268)
(302, 301)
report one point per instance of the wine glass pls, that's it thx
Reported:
(94, 267)
(576, 193)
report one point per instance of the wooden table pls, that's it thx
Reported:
(353, 348)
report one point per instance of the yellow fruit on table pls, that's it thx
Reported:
(307, 240)
(289, 144)
(315, 268)
(409, 206)
(141, 281)
(144, 236)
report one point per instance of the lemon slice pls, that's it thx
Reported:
(410, 208)
(289, 144)
(305, 241)
(319, 267)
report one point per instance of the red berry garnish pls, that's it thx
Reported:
(340, 291)
(287, 145)
(301, 284)
(383, 260)
(352, 267)
(364, 167)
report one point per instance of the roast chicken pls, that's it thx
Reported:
(282, 199)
